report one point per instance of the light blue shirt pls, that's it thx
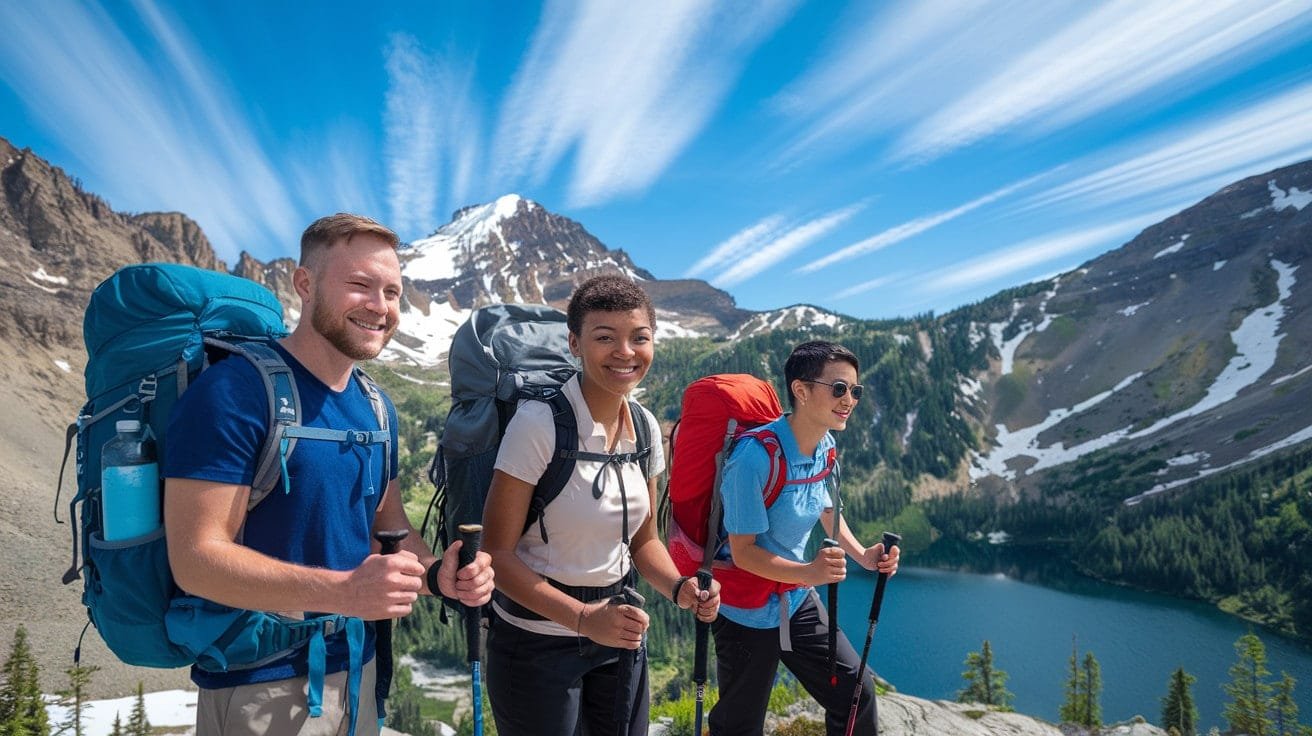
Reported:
(784, 528)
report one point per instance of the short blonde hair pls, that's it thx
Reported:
(324, 232)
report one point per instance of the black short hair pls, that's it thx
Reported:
(610, 293)
(807, 362)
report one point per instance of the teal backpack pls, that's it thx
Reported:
(150, 329)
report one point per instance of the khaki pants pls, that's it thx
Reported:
(278, 708)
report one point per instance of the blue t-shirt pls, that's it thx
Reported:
(784, 528)
(215, 433)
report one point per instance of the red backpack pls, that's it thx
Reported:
(718, 412)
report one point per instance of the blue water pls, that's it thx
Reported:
(932, 619)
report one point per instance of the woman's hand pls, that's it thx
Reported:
(617, 625)
(707, 602)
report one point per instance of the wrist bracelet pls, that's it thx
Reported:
(430, 576)
(678, 586)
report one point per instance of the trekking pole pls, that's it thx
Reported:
(471, 539)
(833, 617)
(390, 542)
(700, 653)
(628, 657)
(890, 539)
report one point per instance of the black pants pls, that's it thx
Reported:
(747, 660)
(551, 686)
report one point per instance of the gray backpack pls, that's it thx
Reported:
(506, 353)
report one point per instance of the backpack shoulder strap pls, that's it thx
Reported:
(777, 476)
(375, 394)
(561, 466)
(642, 435)
(284, 403)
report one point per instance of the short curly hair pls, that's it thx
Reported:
(610, 293)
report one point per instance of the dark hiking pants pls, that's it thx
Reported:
(556, 686)
(747, 660)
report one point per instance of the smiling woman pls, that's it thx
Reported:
(565, 645)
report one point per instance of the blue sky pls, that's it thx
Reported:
(877, 159)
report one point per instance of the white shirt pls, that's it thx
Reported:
(585, 533)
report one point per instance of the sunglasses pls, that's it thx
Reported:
(841, 388)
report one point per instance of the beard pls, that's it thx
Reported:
(342, 335)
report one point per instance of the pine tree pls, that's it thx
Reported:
(138, 724)
(22, 710)
(118, 726)
(1072, 706)
(1284, 708)
(1092, 692)
(1178, 710)
(985, 683)
(1249, 691)
(71, 699)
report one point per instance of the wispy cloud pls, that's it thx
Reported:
(910, 229)
(1191, 161)
(764, 255)
(940, 76)
(432, 134)
(898, 63)
(624, 87)
(1116, 51)
(1009, 262)
(865, 286)
(738, 245)
(162, 135)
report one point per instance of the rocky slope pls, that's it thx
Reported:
(1194, 339)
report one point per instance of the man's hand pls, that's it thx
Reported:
(829, 566)
(383, 586)
(472, 584)
(877, 559)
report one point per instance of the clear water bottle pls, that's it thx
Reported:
(129, 484)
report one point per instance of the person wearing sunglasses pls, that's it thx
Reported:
(793, 625)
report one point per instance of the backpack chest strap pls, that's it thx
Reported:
(344, 436)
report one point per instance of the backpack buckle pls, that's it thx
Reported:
(147, 388)
(358, 437)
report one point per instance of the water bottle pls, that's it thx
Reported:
(129, 484)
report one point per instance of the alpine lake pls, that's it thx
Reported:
(1029, 603)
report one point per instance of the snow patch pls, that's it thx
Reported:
(1291, 376)
(1024, 442)
(433, 331)
(970, 387)
(1253, 213)
(41, 275)
(63, 366)
(168, 708)
(999, 537)
(1007, 349)
(1190, 458)
(1168, 250)
(1256, 339)
(667, 325)
(1295, 197)
(1218, 265)
(1299, 437)
(1130, 310)
(902, 339)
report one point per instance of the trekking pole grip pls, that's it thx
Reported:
(471, 541)
(390, 539)
(890, 540)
